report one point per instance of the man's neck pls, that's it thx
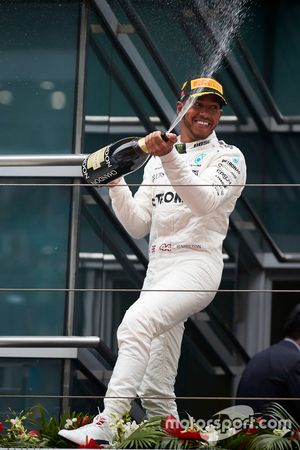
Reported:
(187, 140)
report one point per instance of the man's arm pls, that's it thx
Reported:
(223, 179)
(134, 212)
(293, 386)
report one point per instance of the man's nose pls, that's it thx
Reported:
(203, 110)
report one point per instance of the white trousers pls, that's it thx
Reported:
(150, 334)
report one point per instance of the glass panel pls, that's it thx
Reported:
(34, 254)
(37, 79)
(38, 56)
(286, 57)
(273, 160)
(101, 246)
(34, 378)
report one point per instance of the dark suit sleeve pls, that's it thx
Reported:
(294, 389)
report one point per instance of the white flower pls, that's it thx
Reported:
(16, 422)
(211, 434)
(281, 432)
(130, 428)
(121, 429)
(69, 423)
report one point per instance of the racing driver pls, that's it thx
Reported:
(189, 189)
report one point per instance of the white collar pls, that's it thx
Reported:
(292, 342)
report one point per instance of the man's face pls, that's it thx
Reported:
(200, 119)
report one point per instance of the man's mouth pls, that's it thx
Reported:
(202, 123)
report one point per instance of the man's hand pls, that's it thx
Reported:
(157, 146)
(114, 182)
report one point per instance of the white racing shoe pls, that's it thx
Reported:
(98, 431)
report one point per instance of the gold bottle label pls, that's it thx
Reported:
(96, 159)
(142, 145)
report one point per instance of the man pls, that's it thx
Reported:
(274, 373)
(189, 189)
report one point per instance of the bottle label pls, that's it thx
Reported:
(142, 145)
(96, 159)
(105, 177)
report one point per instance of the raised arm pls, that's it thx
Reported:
(205, 192)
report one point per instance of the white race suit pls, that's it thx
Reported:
(184, 202)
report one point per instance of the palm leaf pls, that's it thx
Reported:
(237, 441)
(148, 435)
(272, 442)
(276, 410)
(171, 443)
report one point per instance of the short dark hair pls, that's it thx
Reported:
(291, 328)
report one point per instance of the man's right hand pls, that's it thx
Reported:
(157, 146)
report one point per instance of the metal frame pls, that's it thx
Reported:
(127, 265)
(142, 31)
(70, 166)
(276, 113)
(134, 125)
(132, 244)
(114, 72)
(134, 63)
(75, 205)
(45, 346)
(52, 166)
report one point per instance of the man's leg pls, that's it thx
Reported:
(170, 295)
(157, 388)
(178, 289)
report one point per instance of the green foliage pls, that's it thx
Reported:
(50, 426)
(272, 442)
(148, 435)
(19, 432)
(278, 412)
(35, 429)
(151, 435)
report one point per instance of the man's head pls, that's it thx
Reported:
(202, 117)
(291, 327)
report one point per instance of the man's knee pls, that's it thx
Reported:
(136, 325)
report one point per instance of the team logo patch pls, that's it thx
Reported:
(181, 148)
(199, 158)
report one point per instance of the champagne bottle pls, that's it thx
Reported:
(115, 160)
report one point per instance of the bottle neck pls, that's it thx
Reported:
(142, 145)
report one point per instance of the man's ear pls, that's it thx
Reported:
(179, 106)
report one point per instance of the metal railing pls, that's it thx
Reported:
(59, 347)
(62, 166)
(70, 166)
